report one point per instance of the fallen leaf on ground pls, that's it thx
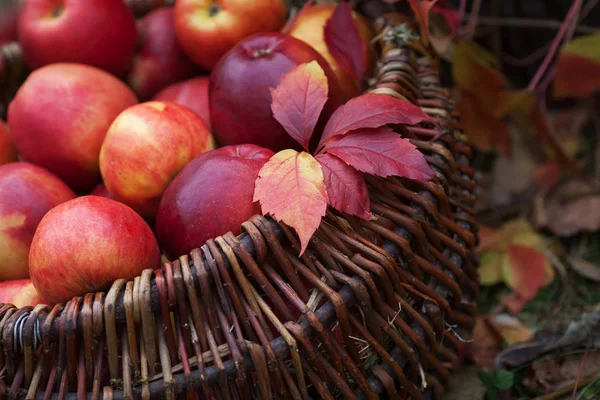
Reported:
(485, 131)
(552, 374)
(578, 67)
(571, 208)
(486, 344)
(465, 385)
(512, 330)
(585, 268)
(517, 260)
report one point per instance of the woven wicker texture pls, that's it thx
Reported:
(372, 309)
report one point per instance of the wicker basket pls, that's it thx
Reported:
(372, 309)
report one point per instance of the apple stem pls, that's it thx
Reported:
(213, 9)
(57, 12)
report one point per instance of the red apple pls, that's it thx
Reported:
(101, 33)
(8, 152)
(239, 90)
(60, 116)
(87, 243)
(144, 149)
(211, 196)
(160, 61)
(207, 29)
(309, 27)
(9, 12)
(20, 293)
(27, 193)
(101, 190)
(192, 93)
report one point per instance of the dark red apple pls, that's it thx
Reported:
(192, 93)
(160, 61)
(101, 33)
(211, 196)
(240, 99)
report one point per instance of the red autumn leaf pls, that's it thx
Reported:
(421, 9)
(290, 187)
(346, 187)
(485, 131)
(529, 270)
(299, 99)
(578, 67)
(371, 111)
(381, 152)
(344, 41)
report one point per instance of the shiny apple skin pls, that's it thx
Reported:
(211, 196)
(101, 33)
(192, 93)
(20, 293)
(87, 243)
(160, 62)
(27, 193)
(240, 99)
(207, 29)
(144, 149)
(60, 116)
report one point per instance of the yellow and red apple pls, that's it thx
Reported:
(240, 90)
(144, 149)
(20, 293)
(101, 33)
(207, 29)
(27, 193)
(8, 152)
(85, 244)
(160, 60)
(192, 93)
(309, 26)
(59, 118)
(211, 196)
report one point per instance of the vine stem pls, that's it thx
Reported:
(573, 11)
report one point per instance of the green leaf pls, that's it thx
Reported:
(486, 378)
(504, 379)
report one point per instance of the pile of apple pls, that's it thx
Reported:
(135, 139)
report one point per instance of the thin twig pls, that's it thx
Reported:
(529, 59)
(531, 23)
(575, 7)
(462, 8)
(574, 396)
(473, 19)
